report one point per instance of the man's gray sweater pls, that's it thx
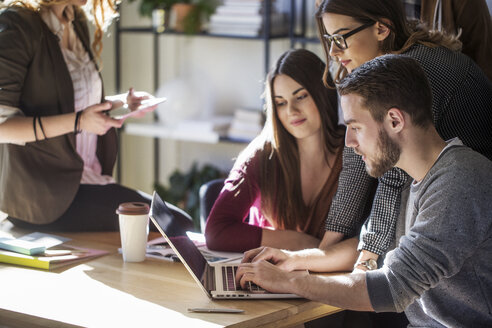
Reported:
(441, 272)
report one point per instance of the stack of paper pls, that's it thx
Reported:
(158, 248)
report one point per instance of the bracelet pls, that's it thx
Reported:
(34, 127)
(76, 129)
(41, 126)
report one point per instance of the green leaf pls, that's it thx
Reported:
(183, 190)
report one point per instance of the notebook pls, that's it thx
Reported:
(217, 280)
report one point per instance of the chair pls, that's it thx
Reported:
(182, 220)
(172, 219)
(208, 193)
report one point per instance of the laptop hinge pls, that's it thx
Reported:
(209, 278)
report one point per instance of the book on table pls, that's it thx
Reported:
(54, 256)
(21, 246)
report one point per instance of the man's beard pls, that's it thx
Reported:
(388, 156)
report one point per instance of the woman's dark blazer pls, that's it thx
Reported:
(38, 181)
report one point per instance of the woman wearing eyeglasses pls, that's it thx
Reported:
(354, 32)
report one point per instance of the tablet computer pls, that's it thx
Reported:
(125, 112)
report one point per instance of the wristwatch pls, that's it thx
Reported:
(369, 264)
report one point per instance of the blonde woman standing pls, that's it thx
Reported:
(57, 146)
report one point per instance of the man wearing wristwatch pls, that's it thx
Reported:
(440, 274)
(366, 265)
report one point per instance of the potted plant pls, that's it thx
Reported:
(158, 10)
(147, 6)
(189, 14)
(183, 190)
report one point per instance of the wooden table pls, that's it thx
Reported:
(107, 292)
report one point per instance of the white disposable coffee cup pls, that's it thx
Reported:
(134, 230)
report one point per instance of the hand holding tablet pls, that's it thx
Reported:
(125, 112)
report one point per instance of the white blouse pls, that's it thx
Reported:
(87, 87)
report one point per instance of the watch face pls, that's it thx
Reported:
(372, 264)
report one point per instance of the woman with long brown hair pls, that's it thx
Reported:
(285, 179)
(57, 145)
(353, 32)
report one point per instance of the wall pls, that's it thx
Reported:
(232, 71)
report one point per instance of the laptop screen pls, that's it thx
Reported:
(190, 254)
(165, 218)
(162, 216)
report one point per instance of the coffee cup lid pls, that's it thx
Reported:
(133, 208)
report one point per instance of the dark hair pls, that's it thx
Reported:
(280, 181)
(307, 69)
(391, 81)
(403, 34)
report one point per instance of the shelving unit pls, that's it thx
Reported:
(266, 38)
(300, 37)
(158, 131)
(155, 130)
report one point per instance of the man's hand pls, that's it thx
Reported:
(267, 276)
(283, 259)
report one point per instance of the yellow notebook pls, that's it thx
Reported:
(52, 258)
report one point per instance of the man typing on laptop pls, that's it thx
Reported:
(441, 273)
(217, 280)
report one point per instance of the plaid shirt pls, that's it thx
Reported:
(462, 99)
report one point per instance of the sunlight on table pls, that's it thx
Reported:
(109, 307)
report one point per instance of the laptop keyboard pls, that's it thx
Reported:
(229, 280)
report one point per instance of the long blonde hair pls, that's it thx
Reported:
(100, 12)
(403, 34)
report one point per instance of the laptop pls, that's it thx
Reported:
(217, 280)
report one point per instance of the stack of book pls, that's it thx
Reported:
(43, 251)
(214, 124)
(246, 18)
(206, 130)
(246, 124)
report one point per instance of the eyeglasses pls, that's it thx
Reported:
(339, 40)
